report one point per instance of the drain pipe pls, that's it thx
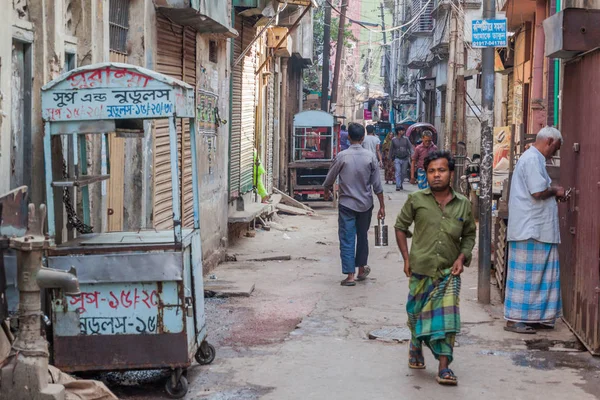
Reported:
(25, 375)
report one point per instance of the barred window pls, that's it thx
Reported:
(119, 25)
(212, 51)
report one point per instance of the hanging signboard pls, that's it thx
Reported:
(489, 33)
(115, 91)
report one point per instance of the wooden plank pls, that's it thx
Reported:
(116, 183)
(292, 210)
(291, 201)
(265, 257)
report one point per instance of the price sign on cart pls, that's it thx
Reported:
(489, 33)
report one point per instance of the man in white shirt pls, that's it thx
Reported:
(372, 143)
(533, 297)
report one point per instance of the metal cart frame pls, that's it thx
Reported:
(142, 301)
(300, 165)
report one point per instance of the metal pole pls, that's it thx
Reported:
(326, 55)
(386, 63)
(557, 66)
(451, 82)
(485, 197)
(339, 51)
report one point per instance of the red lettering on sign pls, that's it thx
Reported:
(114, 303)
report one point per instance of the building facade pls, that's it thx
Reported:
(440, 85)
(189, 41)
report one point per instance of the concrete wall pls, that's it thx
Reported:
(49, 29)
(213, 167)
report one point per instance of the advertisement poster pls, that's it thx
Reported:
(501, 164)
(502, 138)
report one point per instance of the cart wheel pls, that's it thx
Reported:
(206, 353)
(179, 390)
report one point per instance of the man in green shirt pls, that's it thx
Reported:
(444, 236)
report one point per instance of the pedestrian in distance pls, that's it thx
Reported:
(388, 164)
(344, 142)
(359, 177)
(442, 244)
(533, 298)
(400, 152)
(373, 144)
(421, 151)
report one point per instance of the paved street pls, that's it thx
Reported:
(301, 335)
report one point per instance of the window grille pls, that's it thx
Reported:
(425, 21)
(118, 25)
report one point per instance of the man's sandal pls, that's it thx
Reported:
(447, 377)
(520, 327)
(346, 282)
(363, 276)
(415, 358)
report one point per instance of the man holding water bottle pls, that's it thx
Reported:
(358, 172)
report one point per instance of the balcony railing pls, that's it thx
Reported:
(425, 22)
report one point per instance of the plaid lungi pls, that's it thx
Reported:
(422, 179)
(433, 312)
(533, 283)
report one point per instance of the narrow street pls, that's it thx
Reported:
(300, 335)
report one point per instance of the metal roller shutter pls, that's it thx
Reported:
(236, 120)
(270, 131)
(189, 77)
(176, 57)
(243, 111)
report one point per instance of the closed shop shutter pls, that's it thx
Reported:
(236, 120)
(270, 131)
(176, 57)
(189, 77)
(243, 111)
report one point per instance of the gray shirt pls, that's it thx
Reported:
(358, 170)
(370, 143)
(528, 217)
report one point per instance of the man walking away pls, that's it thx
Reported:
(358, 177)
(533, 297)
(344, 142)
(444, 236)
(400, 153)
(421, 151)
(373, 144)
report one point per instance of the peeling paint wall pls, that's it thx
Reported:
(81, 27)
(37, 34)
(213, 149)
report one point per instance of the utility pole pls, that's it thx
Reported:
(339, 51)
(368, 68)
(451, 82)
(485, 196)
(326, 55)
(460, 82)
(393, 65)
(386, 63)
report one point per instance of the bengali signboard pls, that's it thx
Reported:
(489, 33)
(115, 92)
(126, 309)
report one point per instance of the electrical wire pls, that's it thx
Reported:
(395, 28)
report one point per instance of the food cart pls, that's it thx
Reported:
(142, 300)
(314, 145)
